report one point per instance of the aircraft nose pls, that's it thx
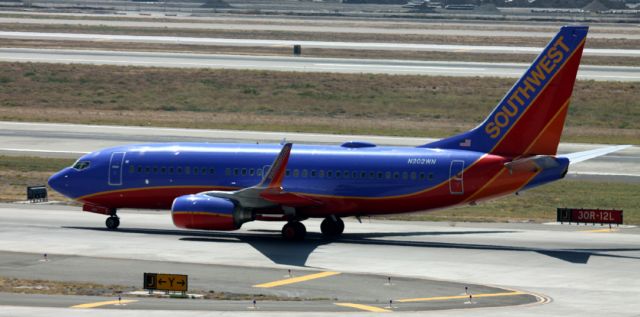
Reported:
(58, 181)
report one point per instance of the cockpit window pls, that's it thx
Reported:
(80, 165)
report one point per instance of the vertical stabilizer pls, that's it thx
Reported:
(530, 117)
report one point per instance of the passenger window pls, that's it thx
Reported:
(345, 174)
(236, 172)
(163, 170)
(170, 169)
(337, 174)
(305, 173)
(296, 172)
(251, 172)
(396, 175)
(363, 174)
(179, 170)
(321, 173)
(421, 176)
(287, 172)
(329, 174)
(132, 169)
(259, 172)
(187, 170)
(430, 176)
(139, 169)
(380, 175)
(212, 171)
(227, 171)
(354, 174)
(313, 173)
(387, 175)
(244, 172)
(413, 176)
(405, 175)
(372, 174)
(195, 171)
(155, 170)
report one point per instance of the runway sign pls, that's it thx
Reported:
(583, 215)
(166, 282)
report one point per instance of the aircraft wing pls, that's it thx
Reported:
(578, 157)
(269, 191)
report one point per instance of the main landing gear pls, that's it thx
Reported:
(332, 227)
(113, 222)
(294, 231)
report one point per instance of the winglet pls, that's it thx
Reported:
(273, 178)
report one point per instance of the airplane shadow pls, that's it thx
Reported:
(296, 253)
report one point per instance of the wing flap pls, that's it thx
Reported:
(288, 199)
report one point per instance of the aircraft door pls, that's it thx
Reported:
(456, 177)
(115, 168)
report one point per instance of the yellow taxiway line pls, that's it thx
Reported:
(296, 279)
(364, 307)
(600, 230)
(427, 299)
(110, 302)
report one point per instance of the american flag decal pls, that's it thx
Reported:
(466, 143)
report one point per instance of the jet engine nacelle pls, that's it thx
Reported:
(201, 211)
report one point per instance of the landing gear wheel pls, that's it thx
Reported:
(294, 231)
(113, 222)
(332, 227)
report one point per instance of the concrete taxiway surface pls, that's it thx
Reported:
(304, 64)
(578, 270)
(310, 290)
(306, 27)
(74, 140)
(488, 49)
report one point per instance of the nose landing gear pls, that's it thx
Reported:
(113, 222)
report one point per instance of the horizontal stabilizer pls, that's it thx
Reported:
(578, 157)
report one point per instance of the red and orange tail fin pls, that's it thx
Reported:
(530, 118)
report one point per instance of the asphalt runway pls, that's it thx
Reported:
(306, 27)
(182, 40)
(301, 64)
(74, 140)
(574, 270)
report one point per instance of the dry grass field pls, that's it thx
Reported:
(539, 204)
(601, 112)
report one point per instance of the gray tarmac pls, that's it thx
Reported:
(74, 140)
(315, 295)
(382, 46)
(305, 27)
(575, 270)
(300, 64)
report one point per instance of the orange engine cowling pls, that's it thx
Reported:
(205, 212)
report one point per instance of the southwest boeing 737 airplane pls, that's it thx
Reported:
(221, 186)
